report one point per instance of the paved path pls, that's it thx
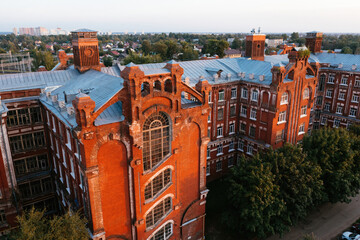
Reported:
(327, 222)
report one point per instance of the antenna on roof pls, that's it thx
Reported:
(259, 30)
(253, 31)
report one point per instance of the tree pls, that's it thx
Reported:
(346, 50)
(56, 48)
(333, 150)
(35, 226)
(160, 48)
(44, 58)
(294, 36)
(146, 47)
(214, 46)
(298, 180)
(172, 48)
(108, 61)
(141, 59)
(254, 199)
(236, 44)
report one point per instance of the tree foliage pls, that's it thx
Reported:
(334, 150)
(141, 59)
(214, 46)
(43, 58)
(35, 226)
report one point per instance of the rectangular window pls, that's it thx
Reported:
(250, 149)
(303, 110)
(27, 142)
(284, 98)
(220, 114)
(357, 83)
(233, 93)
(231, 146)
(355, 98)
(331, 79)
(218, 165)
(252, 131)
(25, 116)
(209, 97)
(342, 95)
(68, 139)
(208, 152)
(209, 132)
(282, 117)
(323, 120)
(327, 107)
(241, 145)
(242, 127)
(244, 93)
(2, 217)
(207, 169)
(336, 123)
(230, 161)
(302, 128)
(232, 111)
(255, 96)
(72, 173)
(353, 112)
(243, 112)
(344, 81)
(219, 131)
(209, 117)
(220, 149)
(319, 100)
(280, 135)
(221, 95)
(253, 114)
(232, 128)
(329, 93)
(339, 109)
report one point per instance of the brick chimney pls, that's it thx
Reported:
(255, 46)
(314, 41)
(86, 50)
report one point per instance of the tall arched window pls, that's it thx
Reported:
(159, 183)
(160, 210)
(284, 98)
(322, 82)
(306, 93)
(156, 139)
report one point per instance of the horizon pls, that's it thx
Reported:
(198, 16)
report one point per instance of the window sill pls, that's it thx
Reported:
(328, 97)
(284, 103)
(301, 133)
(249, 153)
(254, 119)
(230, 166)
(304, 115)
(241, 150)
(207, 174)
(61, 180)
(220, 136)
(218, 170)
(81, 187)
(68, 145)
(63, 202)
(231, 133)
(281, 122)
(338, 113)
(73, 175)
(330, 82)
(68, 190)
(341, 99)
(219, 154)
(231, 150)
(208, 157)
(352, 116)
(242, 115)
(355, 101)
(341, 84)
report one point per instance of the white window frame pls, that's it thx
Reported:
(339, 107)
(219, 131)
(284, 98)
(327, 106)
(243, 111)
(336, 123)
(323, 120)
(233, 93)
(341, 96)
(221, 95)
(302, 128)
(303, 111)
(355, 98)
(209, 97)
(344, 81)
(329, 93)
(241, 145)
(244, 93)
(282, 117)
(253, 113)
(219, 149)
(255, 95)
(250, 150)
(218, 163)
(231, 128)
(331, 79)
(306, 93)
(352, 111)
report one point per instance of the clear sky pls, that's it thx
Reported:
(183, 15)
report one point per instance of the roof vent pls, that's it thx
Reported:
(340, 65)
(48, 93)
(261, 78)
(251, 75)
(243, 74)
(228, 76)
(187, 80)
(353, 67)
(61, 104)
(54, 98)
(216, 77)
(70, 110)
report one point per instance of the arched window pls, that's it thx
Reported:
(157, 85)
(306, 93)
(145, 89)
(163, 232)
(168, 86)
(158, 212)
(159, 183)
(156, 139)
(284, 98)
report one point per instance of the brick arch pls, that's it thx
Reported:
(105, 139)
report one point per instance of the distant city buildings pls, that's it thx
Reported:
(39, 31)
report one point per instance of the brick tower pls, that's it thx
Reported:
(86, 50)
(313, 41)
(255, 46)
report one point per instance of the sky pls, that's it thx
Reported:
(183, 15)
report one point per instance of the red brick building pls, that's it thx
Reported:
(132, 146)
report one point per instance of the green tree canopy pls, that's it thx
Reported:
(35, 226)
(146, 47)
